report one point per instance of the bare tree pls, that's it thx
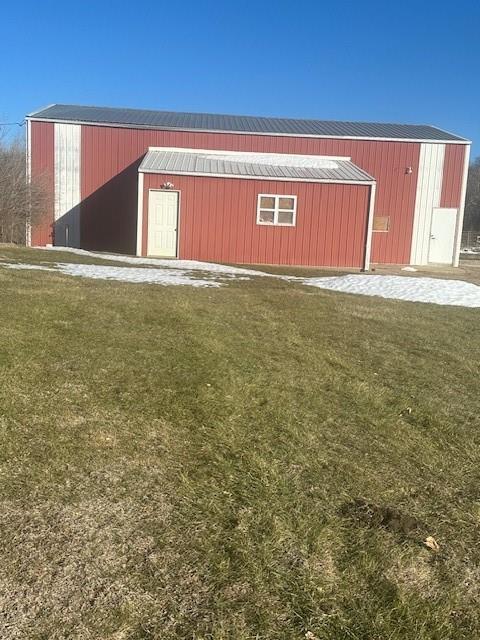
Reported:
(472, 200)
(20, 201)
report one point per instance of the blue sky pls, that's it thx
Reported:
(398, 61)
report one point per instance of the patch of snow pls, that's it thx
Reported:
(179, 272)
(433, 290)
(192, 265)
(20, 265)
(274, 159)
(126, 274)
(123, 274)
(409, 269)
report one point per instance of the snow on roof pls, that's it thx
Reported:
(253, 165)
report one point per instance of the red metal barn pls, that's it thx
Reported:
(246, 189)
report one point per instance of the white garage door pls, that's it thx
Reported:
(442, 236)
(162, 223)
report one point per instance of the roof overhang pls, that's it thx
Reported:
(121, 117)
(120, 125)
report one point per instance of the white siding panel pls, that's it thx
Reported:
(67, 184)
(28, 234)
(429, 190)
(140, 215)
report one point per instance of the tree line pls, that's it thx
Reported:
(472, 201)
(20, 202)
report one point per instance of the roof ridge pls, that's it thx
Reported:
(234, 123)
(237, 115)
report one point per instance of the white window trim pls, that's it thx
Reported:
(276, 210)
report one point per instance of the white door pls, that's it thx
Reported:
(442, 236)
(162, 223)
(67, 229)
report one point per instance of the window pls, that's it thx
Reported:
(381, 223)
(276, 210)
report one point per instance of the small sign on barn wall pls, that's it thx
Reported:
(381, 223)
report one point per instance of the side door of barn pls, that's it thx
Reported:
(442, 235)
(162, 223)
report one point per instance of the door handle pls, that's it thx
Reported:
(432, 237)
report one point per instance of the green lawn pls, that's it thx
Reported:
(258, 461)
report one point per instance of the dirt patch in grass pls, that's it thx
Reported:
(374, 515)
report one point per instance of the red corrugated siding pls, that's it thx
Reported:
(110, 157)
(218, 221)
(452, 175)
(42, 172)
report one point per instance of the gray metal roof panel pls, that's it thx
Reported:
(253, 165)
(241, 124)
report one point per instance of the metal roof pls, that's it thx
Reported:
(241, 124)
(265, 166)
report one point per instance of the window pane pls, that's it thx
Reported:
(286, 203)
(285, 217)
(266, 217)
(266, 202)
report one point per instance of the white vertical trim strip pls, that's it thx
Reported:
(28, 223)
(368, 242)
(67, 168)
(428, 194)
(140, 214)
(418, 204)
(461, 210)
(67, 145)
